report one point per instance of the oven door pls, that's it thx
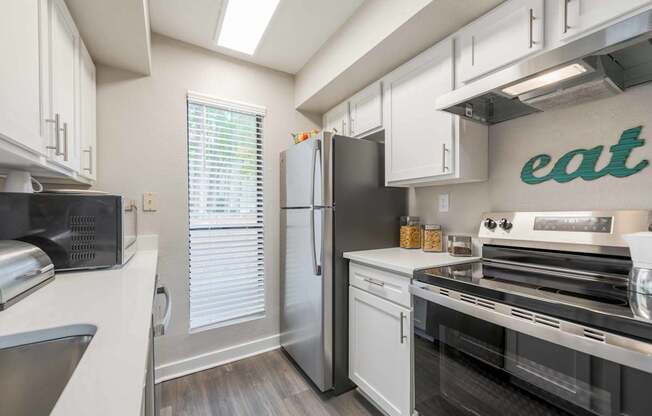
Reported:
(477, 357)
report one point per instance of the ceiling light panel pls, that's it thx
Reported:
(244, 24)
(543, 80)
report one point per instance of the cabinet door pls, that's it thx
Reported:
(337, 119)
(580, 16)
(366, 111)
(418, 138)
(63, 77)
(380, 351)
(87, 110)
(510, 32)
(20, 117)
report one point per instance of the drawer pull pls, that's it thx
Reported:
(374, 282)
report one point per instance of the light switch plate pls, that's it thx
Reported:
(443, 203)
(150, 201)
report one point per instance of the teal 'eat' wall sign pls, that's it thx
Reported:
(586, 170)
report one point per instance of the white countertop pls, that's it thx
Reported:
(404, 261)
(110, 377)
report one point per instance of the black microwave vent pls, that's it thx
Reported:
(82, 229)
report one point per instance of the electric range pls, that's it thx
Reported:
(545, 323)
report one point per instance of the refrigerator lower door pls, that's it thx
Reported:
(306, 301)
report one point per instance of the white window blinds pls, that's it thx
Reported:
(225, 209)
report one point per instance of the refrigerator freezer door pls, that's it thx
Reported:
(301, 174)
(306, 296)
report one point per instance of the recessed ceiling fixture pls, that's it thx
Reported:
(244, 23)
(548, 78)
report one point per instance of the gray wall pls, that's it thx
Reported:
(555, 132)
(142, 147)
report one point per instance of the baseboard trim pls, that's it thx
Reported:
(216, 358)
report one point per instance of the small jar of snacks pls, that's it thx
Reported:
(432, 238)
(410, 232)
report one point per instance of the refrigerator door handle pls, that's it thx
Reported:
(316, 268)
(313, 172)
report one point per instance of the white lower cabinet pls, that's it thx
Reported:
(380, 350)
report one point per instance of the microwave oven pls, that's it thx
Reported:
(76, 230)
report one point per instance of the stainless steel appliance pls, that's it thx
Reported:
(542, 325)
(601, 64)
(152, 393)
(24, 268)
(333, 200)
(77, 231)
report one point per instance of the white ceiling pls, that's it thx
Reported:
(297, 30)
(115, 32)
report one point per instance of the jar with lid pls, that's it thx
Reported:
(410, 232)
(432, 238)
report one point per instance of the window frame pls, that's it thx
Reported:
(259, 112)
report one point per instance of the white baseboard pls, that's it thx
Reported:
(216, 358)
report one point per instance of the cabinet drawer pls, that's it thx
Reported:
(387, 285)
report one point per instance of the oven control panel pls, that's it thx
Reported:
(574, 224)
(590, 231)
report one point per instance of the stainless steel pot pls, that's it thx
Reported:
(640, 292)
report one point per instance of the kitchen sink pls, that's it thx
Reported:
(35, 367)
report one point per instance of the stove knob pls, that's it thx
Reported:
(505, 224)
(490, 223)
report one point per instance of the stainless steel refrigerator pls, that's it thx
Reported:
(333, 200)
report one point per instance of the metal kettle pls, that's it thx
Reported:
(640, 277)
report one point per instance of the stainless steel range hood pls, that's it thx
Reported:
(598, 65)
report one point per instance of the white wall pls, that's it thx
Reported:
(142, 147)
(555, 132)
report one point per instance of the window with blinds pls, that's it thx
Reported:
(225, 209)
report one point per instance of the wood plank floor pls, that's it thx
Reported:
(267, 384)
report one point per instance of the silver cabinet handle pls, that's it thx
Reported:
(57, 134)
(65, 142)
(444, 151)
(374, 282)
(531, 28)
(566, 27)
(90, 159)
(403, 337)
(352, 127)
(161, 328)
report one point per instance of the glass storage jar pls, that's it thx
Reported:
(410, 232)
(432, 238)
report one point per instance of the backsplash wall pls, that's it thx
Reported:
(555, 132)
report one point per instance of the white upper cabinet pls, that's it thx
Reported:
(365, 109)
(87, 119)
(418, 138)
(64, 44)
(580, 16)
(337, 119)
(20, 94)
(510, 32)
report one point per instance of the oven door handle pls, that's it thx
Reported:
(161, 328)
(622, 350)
